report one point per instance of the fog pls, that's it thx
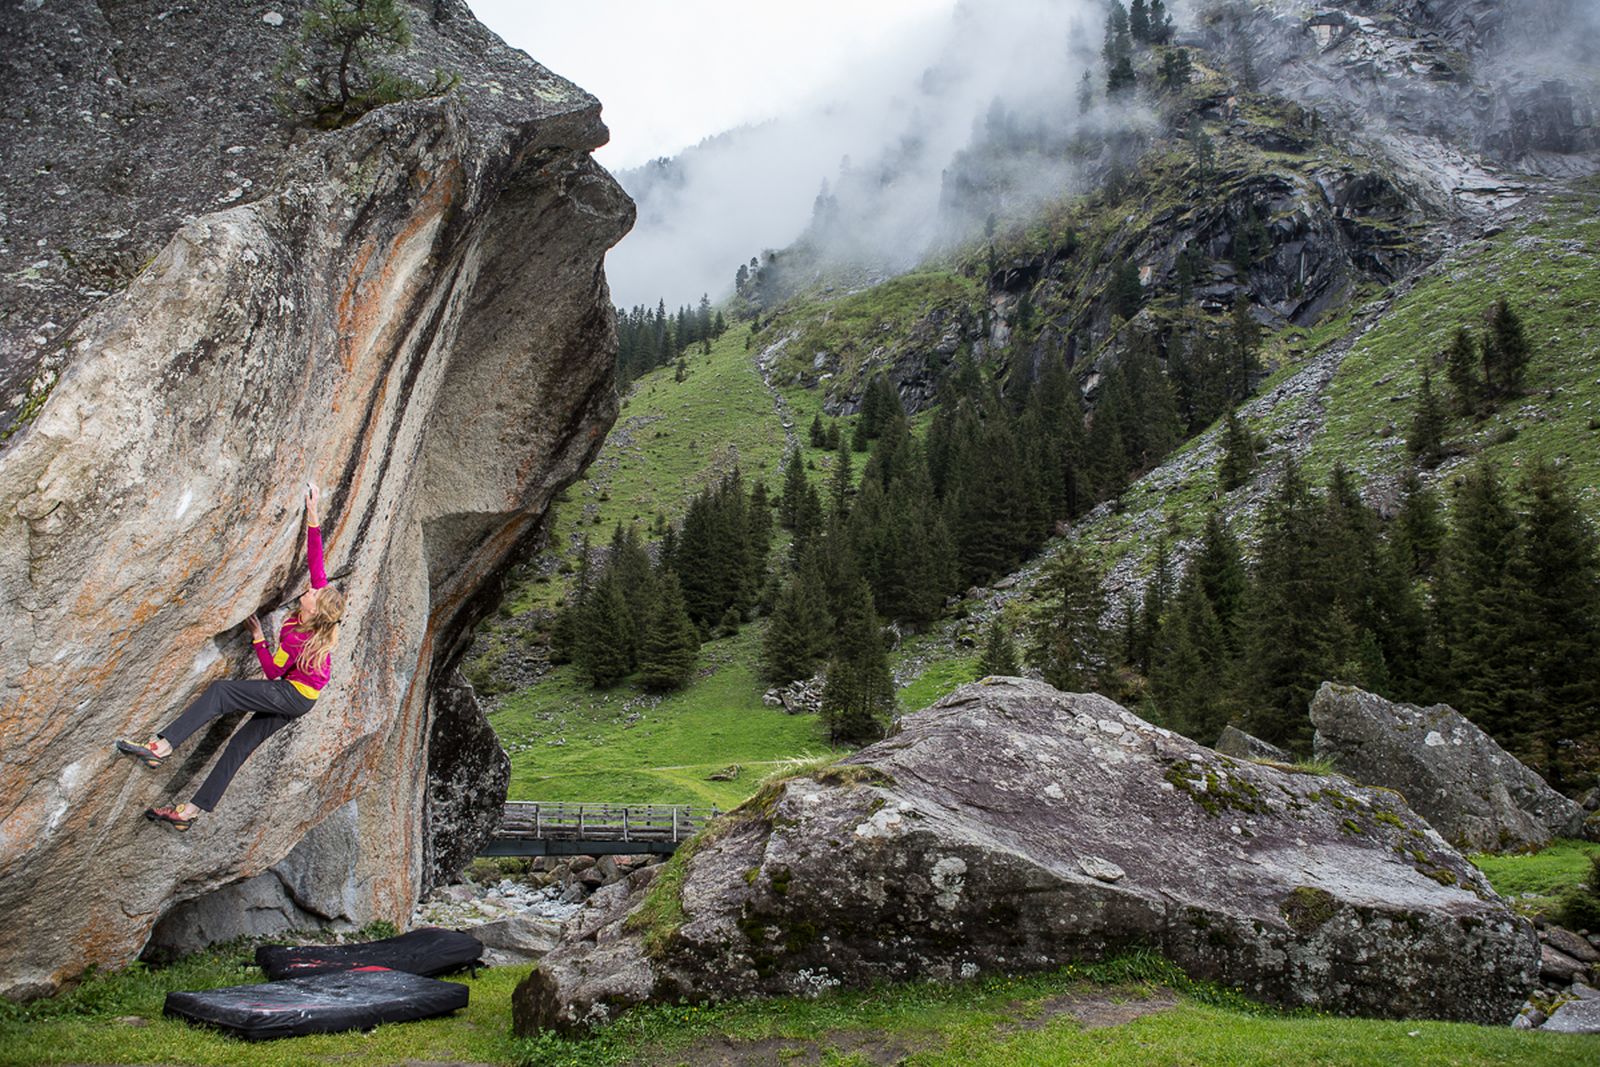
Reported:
(883, 139)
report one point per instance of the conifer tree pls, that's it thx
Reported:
(1189, 672)
(1220, 570)
(1461, 368)
(1160, 23)
(1152, 608)
(999, 651)
(1127, 293)
(839, 486)
(858, 699)
(1426, 440)
(1238, 455)
(667, 654)
(606, 635)
(1118, 51)
(817, 434)
(799, 631)
(794, 490)
(1505, 351)
(1477, 606)
(1068, 647)
(1139, 21)
(1291, 636)
(1419, 531)
(1555, 577)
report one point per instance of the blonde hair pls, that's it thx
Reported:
(323, 627)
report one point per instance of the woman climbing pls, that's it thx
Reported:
(295, 675)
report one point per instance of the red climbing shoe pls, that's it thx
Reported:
(139, 752)
(169, 816)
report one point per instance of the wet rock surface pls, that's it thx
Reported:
(1475, 793)
(410, 310)
(987, 836)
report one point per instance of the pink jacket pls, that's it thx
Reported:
(291, 638)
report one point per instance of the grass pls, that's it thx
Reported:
(623, 746)
(1544, 873)
(996, 1020)
(116, 1018)
(1546, 270)
(852, 327)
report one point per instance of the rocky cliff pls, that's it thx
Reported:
(1010, 828)
(205, 309)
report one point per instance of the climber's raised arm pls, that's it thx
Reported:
(319, 573)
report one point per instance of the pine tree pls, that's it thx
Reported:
(1426, 440)
(1419, 531)
(1139, 21)
(1238, 455)
(1160, 23)
(1461, 368)
(858, 699)
(817, 434)
(1189, 672)
(1127, 293)
(1220, 570)
(667, 654)
(1118, 51)
(839, 486)
(794, 490)
(1245, 335)
(799, 633)
(1152, 608)
(1292, 636)
(1068, 647)
(1477, 607)
(606, 635)
(1555, 577)
(999, 652)
(1505, 351)
(1085, 95)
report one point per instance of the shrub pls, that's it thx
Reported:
(332, 75)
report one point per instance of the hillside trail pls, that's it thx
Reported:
(764, 361)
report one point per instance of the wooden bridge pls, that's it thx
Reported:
(537, 828)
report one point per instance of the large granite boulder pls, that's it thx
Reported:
(1475, 793)
(1010, 827)
(205, 308)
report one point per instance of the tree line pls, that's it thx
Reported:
(647, 339)
(1494, 613)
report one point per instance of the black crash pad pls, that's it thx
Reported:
(426, 950)
(321, 1004)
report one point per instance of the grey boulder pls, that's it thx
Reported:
(1575, 1017)
(1012, 828)
(1240, 745)
(1475, 793)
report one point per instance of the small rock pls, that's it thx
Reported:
(133, 1020)
(1556, 966)
(272, 18)
(1575, 1017)
(1584, 991)
(1569, 943)
(1101, 869)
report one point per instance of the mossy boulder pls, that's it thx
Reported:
(981, 840)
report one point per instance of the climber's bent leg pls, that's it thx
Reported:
(245, 740)
(220, 698)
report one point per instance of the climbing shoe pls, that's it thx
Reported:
(139, 752)
(169, 816)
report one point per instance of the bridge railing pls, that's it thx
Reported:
(602, 822)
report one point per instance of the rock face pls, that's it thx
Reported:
(1475, 793)
(1009, 828)
(410, 310)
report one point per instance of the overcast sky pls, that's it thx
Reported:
(671, 72)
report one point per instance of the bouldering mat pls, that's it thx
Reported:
(427, 951)
(320, 1004)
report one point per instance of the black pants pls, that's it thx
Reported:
(276, 705)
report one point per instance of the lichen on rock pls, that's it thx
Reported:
(1243, 874)
(410, 310)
